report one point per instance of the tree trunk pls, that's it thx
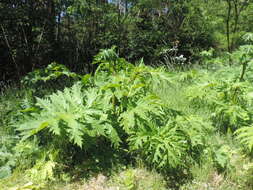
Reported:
(236, 20)
(228, 25)
(11, 51)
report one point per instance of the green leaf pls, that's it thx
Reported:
(5, 171)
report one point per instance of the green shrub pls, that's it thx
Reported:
(118, 105)
(173, 143)
(72, 114)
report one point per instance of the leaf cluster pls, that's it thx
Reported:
(118, 105)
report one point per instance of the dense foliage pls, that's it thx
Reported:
(126, 95)
(129, 112)
(70, 32)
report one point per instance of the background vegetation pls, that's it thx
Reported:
(131, 95)
(70, 32)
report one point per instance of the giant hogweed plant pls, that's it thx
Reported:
(225, 98)
(244, 55)
(117, 104)
(230, 101)
(175, 143)
(75, 112)
(49, 79)
(230, 106)
(52, 72)
(245, 133)
(70, 113)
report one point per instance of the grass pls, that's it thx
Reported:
(205, 177)
(128, 179)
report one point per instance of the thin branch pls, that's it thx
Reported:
(10, 50)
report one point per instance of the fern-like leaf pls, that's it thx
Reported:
(245, 135)
(142, 109)
(71, 112)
